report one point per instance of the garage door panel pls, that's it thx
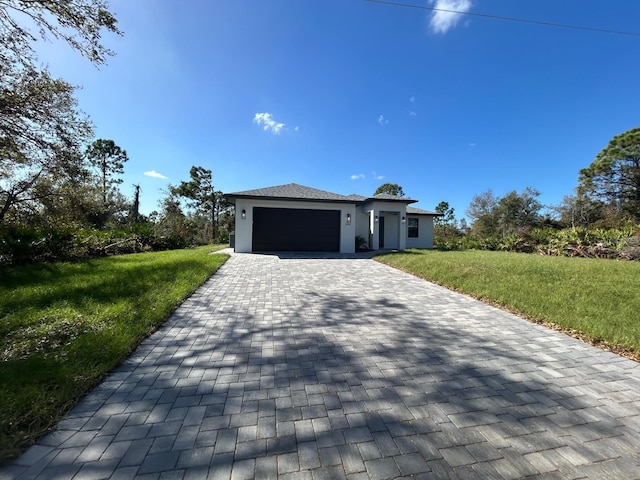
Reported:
(291, 229)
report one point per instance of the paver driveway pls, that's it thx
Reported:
(346, 368)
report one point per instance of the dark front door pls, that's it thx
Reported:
(295, 230)
(381, 230)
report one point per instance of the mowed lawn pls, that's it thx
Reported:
(64, 326)
(595, 299)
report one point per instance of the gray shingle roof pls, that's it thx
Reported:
(293, 191)
(418, 211)
(393, 198)
(356, 197)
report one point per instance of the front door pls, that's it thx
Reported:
(381, 230)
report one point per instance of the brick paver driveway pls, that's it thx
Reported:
(345, 368)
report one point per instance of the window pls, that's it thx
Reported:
(412, 227)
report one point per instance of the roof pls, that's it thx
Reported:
(356, 197)
(293, 191)
(388, 196)
(418, 211)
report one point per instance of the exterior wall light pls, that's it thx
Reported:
(376, 218)
(243, 215)
(404, 219)
(348, 219)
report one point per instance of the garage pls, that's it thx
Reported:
(295, 230)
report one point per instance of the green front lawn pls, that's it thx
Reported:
(597, 300)
(64, 326)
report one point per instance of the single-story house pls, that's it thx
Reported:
(297, 218)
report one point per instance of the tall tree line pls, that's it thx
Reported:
(607, 197)
(42, 129)
(58, 183)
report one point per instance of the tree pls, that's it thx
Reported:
(40, 128)
(172, 224)
(513, 213)
(67, 195)
(39, 117)
(614, 175)
(481, 212)
(445, 224)
(579, 210)
(78, 22)
(516, 212)
(447, 214)
(202, 196)
(135, 210)
(108, 159)
(390, 189)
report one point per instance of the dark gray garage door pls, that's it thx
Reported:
(295, 230)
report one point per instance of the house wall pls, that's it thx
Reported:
(395, 232)
(362, 224)
(244, 227)
(425, 232)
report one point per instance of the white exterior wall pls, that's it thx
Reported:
(425, 232)
(395, 231)
(362, 224)
(347, 230)
(244, 228)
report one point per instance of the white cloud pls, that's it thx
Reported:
(266, 121)
(412, 113)
(376, 176)
(442, 21)
(382, 120)
(412, 99)
(472, 144)
(154, 174)
(297, 129)
(357, 176)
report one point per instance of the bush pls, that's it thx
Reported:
(24, 245)
(621, 243)
(446, 245)
(516, 243)
(361, 242)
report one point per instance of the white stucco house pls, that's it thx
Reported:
(297, 218)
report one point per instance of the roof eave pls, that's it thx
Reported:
(232, 197)
(406, 201)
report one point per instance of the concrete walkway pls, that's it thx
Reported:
(320, 368)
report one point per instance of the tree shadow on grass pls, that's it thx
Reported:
(341, 384)
(50, 361)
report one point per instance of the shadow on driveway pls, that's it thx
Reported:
(340, 378)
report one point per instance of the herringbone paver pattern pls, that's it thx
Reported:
(310, 368)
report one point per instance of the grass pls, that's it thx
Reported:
(64, 326)
(594, 299)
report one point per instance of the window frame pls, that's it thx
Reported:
(413, 231)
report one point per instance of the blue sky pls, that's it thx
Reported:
(344, 95)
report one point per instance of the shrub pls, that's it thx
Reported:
(621, 242)
(361, 242)
(515, 243)
(24, 245)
